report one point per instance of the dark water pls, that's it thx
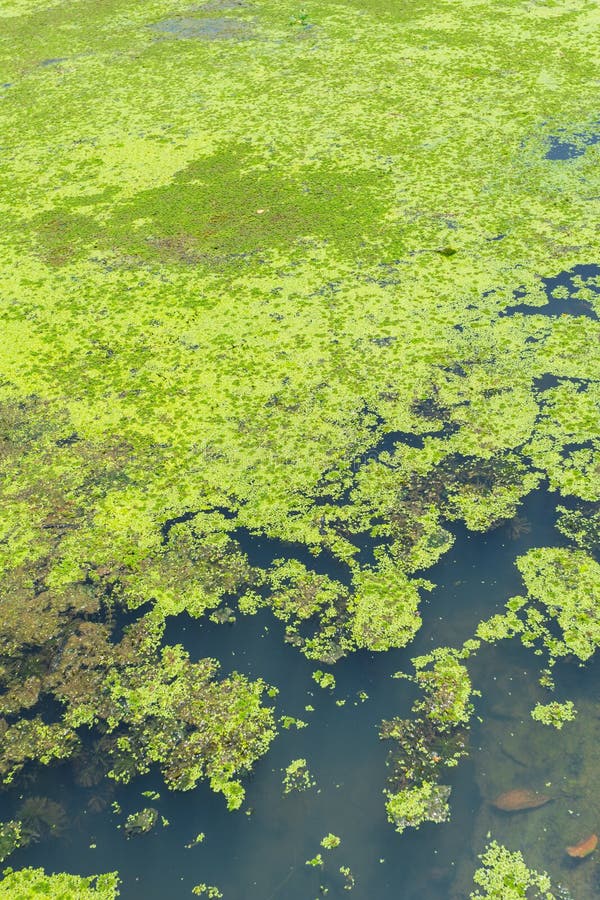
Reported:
(562, 149)
(562, 306)
(260, 851)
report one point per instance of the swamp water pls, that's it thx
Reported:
(261, 851)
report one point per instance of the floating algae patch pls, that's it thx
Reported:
(251, 292)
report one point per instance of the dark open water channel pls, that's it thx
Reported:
(259, 852)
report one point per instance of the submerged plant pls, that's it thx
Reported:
(41, 818)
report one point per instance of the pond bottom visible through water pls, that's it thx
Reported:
(260, 852)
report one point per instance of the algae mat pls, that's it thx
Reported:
(321, 276)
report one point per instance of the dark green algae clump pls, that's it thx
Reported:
(258, 283)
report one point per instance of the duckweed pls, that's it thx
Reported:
(252, 290)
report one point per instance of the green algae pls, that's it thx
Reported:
(297, 777)
(563, 589)
(27, 883)
(227, 276)
(554, 713)
(435, 737)
(505, 876)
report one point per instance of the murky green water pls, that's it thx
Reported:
(260, 851)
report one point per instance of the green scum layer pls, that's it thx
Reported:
(241, 245)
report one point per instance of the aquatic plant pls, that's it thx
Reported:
(141, 822)
(41, 818)
(324, 679)
(297, 777)
(349, 880)
(517, 527)
(581, 525)
(433, 738)
(11, 838)
(504, 875)
(330, 841)
(199, 839)
(91, 766)
(212, 325)
(556, 714)
(212, 892)
(563, 589)
(27, 883)
(410, 807)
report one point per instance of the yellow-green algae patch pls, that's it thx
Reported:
(229, 269)
(27, 883)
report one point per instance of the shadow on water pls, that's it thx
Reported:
(259, 852)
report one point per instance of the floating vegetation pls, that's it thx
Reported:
(35, 883)
(251, 298)
(563, 589)
(297, 777)
(199, 839)
(209, 890)
(330, 841)
(349, 879)
(554, 713)
(141, 822)
(435, 738)
(325, 680)
(505, 876)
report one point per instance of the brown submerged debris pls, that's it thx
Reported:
(519, 799)
(583, 848)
